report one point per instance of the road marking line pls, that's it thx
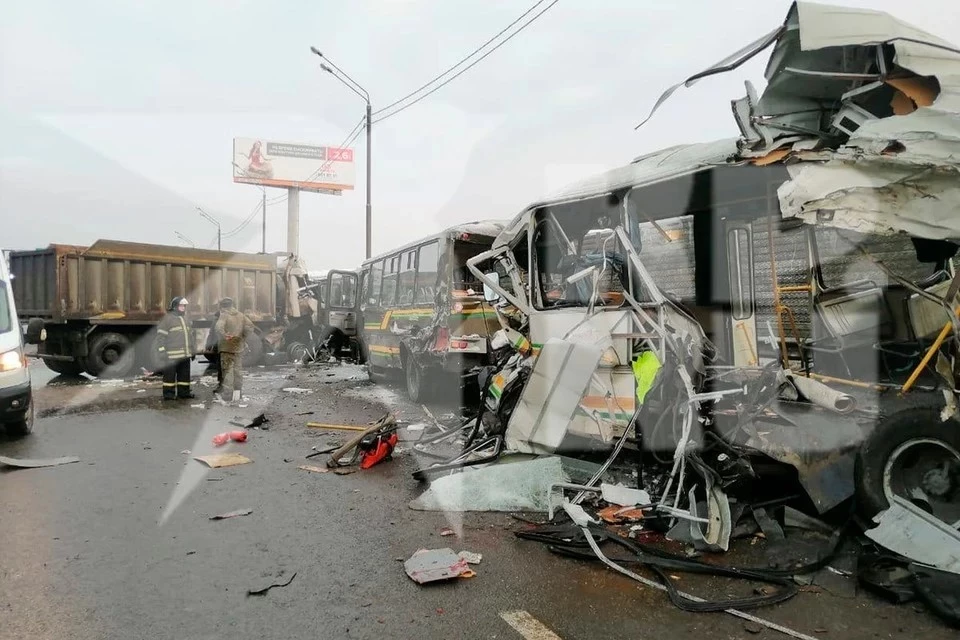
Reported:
(528, 626)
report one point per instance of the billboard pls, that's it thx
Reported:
(288, 164)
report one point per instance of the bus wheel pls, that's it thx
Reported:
(913, 455)
(417, 388)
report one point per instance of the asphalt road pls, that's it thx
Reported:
(120, 545)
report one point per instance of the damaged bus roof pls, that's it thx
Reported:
(862, 109)
(484, 228)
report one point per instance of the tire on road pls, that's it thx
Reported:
(22, 428)
(110, 355)
(892, 437)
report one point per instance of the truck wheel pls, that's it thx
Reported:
(253, 354)
(915, 456)
(23, 427)
(111, 355)
(297, 352)
(64, 368)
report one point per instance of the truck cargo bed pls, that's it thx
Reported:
(113, 282)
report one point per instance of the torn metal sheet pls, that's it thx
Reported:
(882, 197)
(36, 463)
(508, 485)
(560, 378)
(913, 533)
(822, 448)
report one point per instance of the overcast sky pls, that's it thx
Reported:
(117, 117)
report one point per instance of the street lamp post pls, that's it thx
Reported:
(354, 86)
(214, 221)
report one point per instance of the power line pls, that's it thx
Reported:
(350, 137)
(465, 58)
(471, 65)
(243, 224)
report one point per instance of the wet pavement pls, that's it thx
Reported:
(120, 545)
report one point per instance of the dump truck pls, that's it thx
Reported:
(95, 309)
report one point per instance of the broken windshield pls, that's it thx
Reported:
(577, 257)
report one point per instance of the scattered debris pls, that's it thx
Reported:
(36, 463)
(297, 390)
(223, 460)
(337, 427)
(385, 424)
(345, 471)
(507, 485)
(432, 565)
(314, 469)
(320, 452)
(264, 590)
(913, 533)
(447, 531)
(470, 557)
(223, 438)
(624, 496)
(419, 426)
(232, 514)
(185, 452)
(198, 406)
(258, 421)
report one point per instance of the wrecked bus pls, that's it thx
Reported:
(423, 312)
(784, 298)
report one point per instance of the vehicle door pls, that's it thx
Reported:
(740, 273)
(341, 307)
(373, 313)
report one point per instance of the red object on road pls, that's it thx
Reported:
(238, 436)
(381, 450)
(221, 439)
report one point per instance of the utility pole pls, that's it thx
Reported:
(354, 86)
(369, 188)
(263, 226)
(214, 221)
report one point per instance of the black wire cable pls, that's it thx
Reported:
(470, 66)
(464, 59)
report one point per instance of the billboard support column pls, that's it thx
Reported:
(293, 221)
(263, 223)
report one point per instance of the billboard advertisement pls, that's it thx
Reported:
(288, 164)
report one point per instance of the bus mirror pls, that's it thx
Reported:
(489, 294)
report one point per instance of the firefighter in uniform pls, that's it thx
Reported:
(175, 336)
(233, 328)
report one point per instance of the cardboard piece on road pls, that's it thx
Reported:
(431, 565)
(310, 467)
(232, 514)
(223, 460)
(36, 463)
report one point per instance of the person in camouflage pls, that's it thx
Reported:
(175, 345)
(233, 329)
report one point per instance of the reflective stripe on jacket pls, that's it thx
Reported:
(175, 337)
